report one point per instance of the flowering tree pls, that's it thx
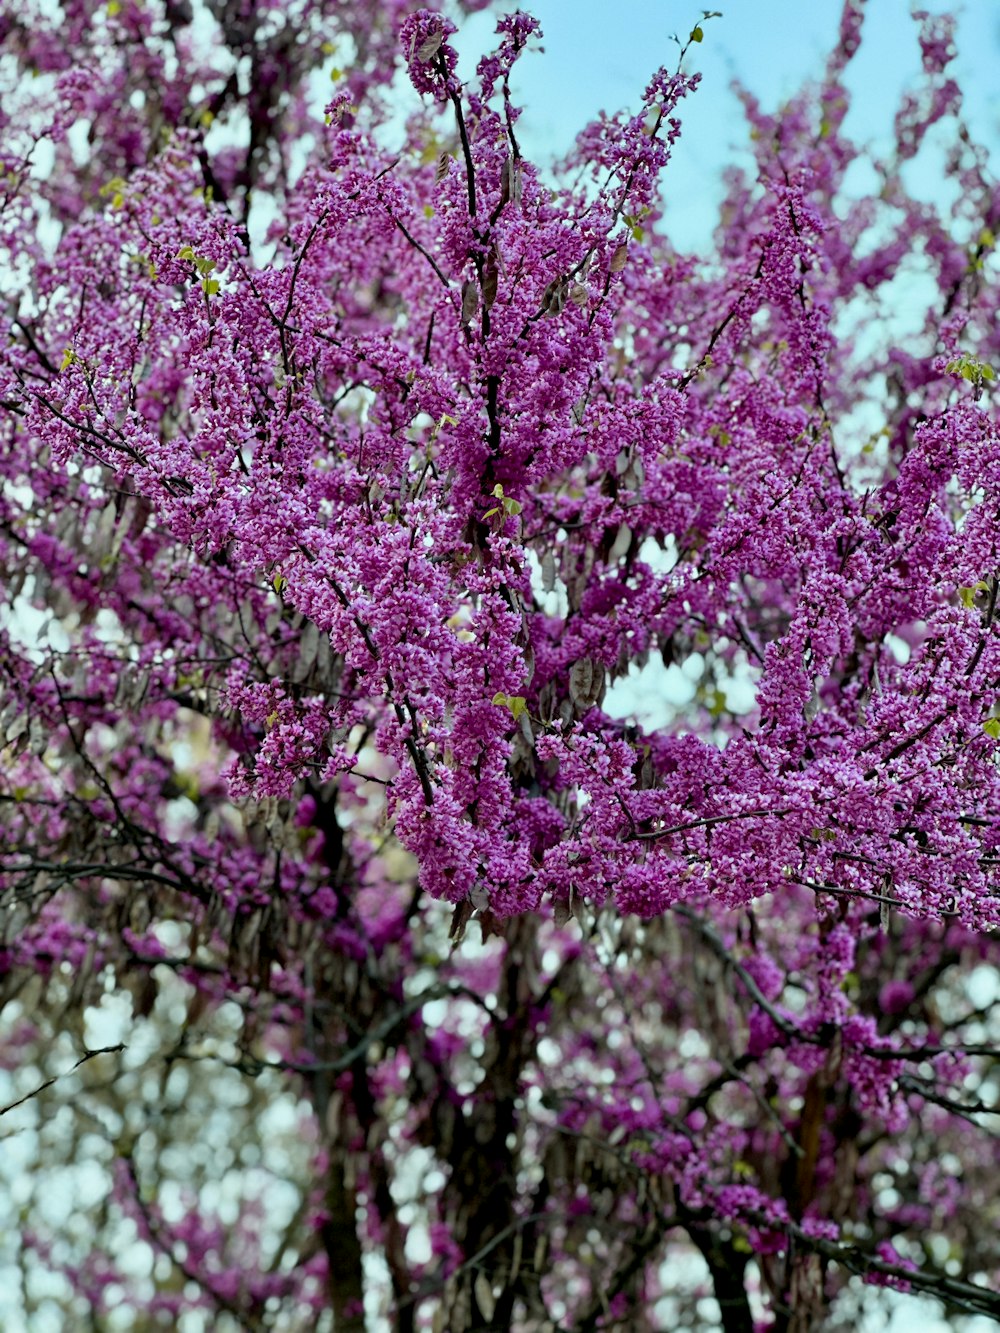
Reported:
(354, 479)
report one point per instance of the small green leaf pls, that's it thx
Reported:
(972, 369)
(515, 702)
(967, 596)
(69, 358)
(696, 34)
(210, 286)
(992, 727)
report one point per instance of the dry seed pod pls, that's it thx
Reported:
(586, 683)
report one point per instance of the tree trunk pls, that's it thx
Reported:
(727, 1267)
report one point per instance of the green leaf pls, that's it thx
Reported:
(992, 728)
(696, 34)
(515, 702)
(971, 368)
(210, 286)
(967, 596)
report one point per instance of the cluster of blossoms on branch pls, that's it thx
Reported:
(350, 530)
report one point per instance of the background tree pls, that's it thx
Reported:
(455, 998)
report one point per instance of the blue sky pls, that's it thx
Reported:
(599, 53)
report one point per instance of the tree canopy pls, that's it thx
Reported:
(352, 474)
